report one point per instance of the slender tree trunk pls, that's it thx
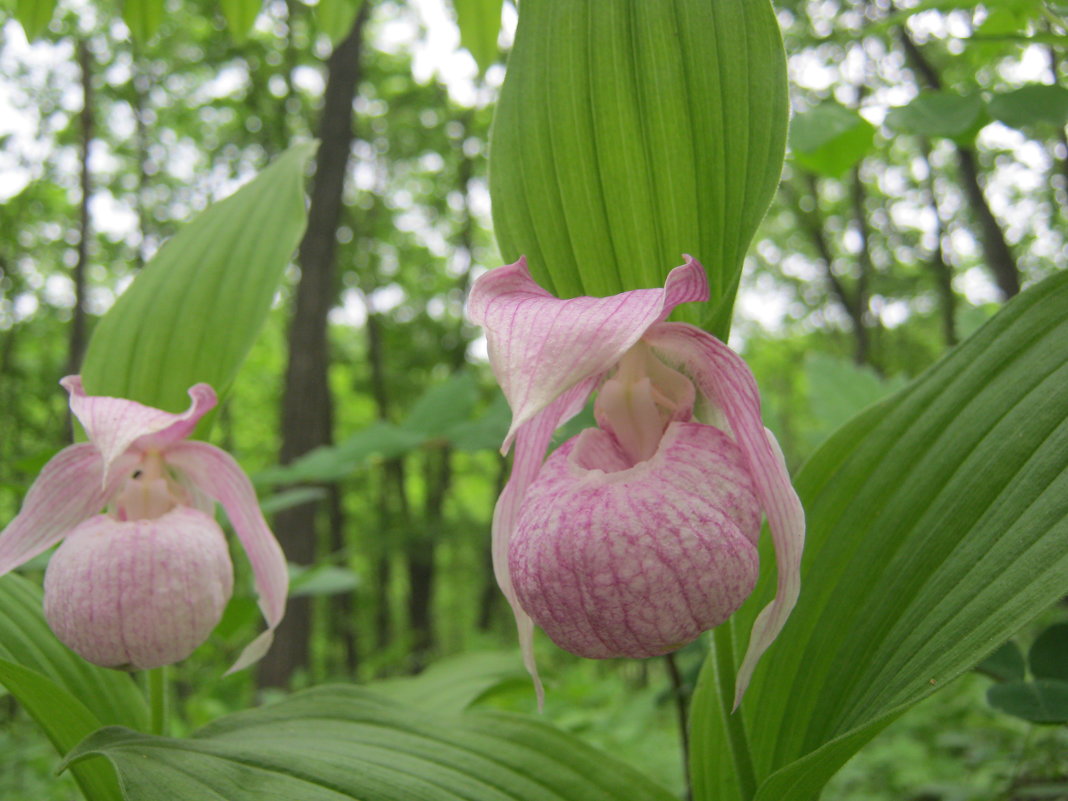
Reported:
(141, 85)
(306, 405)
(940, 269)
(77, 328)
(996, 250)
(861, 293)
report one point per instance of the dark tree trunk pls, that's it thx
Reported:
(940, 269)
(999, 257)
(77, 327)
(306, 405)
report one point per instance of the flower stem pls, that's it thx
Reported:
(157, 700)
(725, 673)
(682, 708)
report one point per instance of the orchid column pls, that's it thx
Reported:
(629, 133)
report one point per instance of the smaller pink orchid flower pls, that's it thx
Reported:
(144, 583)
(635, 536)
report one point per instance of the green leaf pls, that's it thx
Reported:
(143, 18)
(451, 685)
(480, 24)
(487, 432)
(1041, 701)
(1005, 664)
(1037, 104)
(379, 440)
(196, 308)
(240, 15)
(630, 132)
(937, 526)
(1048, 656)
(34, 16)
(336, 17)
(334, 743)
(64, 694)
(443, 405)
(940, 114)
(321, 580)
(830, 139)
(66, 722)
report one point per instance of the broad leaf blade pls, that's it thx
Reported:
(194, 312)
(240, 16)
(938, 525)
(480, 24)
(630, 132)
(64, 694)
(143, 18)
(333, 743)
(336, 17)
(66, 722)
(34, 16)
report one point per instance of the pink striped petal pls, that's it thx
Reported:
(532, 440)
(114, 425)
(541, 346)
(215, 473)
(723, 377)
(637, 562)
(68, 490)
(139, 594)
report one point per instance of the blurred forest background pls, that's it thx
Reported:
(927, 181)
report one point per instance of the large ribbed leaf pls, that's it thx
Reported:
(938, 526)
(68, 697)
(480, 24)
(197, 307)
(629, 132)
(335, 743)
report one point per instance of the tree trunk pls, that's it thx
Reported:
(996, 250)
(77, 328)
(306, 405)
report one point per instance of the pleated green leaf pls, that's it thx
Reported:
(480, 24)
(937, 527)
(194, 312)
(34, 16)
(629, 132)
(240, 15)
(334, 743)
(64, 694)
(336, 17)
(142, 17)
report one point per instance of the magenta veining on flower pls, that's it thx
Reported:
(637, 535)
(143, 572)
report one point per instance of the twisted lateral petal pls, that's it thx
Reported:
(215, 473)
(637, 562)
(115, 424)
(723, 377)
(540, 346)
(69, 489)
(532, 440)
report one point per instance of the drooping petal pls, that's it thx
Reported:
(540, 346)
(532, 440)
(723, 377)
(115, 424)
(215, 473)
(141, 593)
(639, 561)
(68, 490)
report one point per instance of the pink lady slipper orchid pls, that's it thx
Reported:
(635, 536)
(144, 583)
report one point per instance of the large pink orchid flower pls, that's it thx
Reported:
(634, 537)
(144, 583)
